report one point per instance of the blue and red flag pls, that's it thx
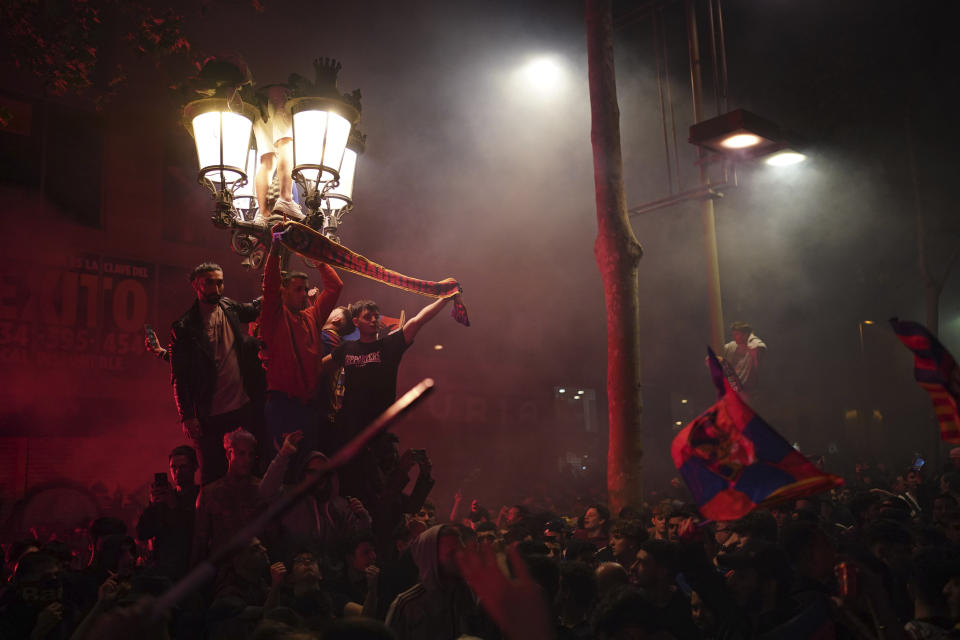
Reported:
(936, 371)
(734, 462)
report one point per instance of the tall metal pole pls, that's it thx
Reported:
(714, 302)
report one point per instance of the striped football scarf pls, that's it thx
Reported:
(314, 245)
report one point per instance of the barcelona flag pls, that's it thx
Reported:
(936, 371)
(734, 462)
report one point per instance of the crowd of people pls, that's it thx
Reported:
(364, 556)
(877, 558)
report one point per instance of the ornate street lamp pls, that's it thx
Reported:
(221, 129)
(321, 130)
(325, 151)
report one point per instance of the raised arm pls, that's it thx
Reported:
(332, 286)
(327, 365)
(271, 305)
(414, 324)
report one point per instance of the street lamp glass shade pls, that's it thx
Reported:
(223, 140)
(247, 190)
(741, 141)
(342, 195)
(785, 159)
(320, 134)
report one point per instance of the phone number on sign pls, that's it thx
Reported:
(50, 338)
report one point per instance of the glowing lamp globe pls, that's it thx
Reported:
(246, 192)
(741, 141)
(340, 196)
(221, 131)
(321, 128)
(785, 159)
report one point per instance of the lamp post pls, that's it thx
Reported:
(729, 138)
(326, 146)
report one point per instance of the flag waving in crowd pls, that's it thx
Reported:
(936, 371)
(734, 462)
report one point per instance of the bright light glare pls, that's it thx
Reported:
(320, 138)
(785, 159)
(438, 347)
(678, 423)
(868, 322)
(543, 75)
(683, 401)
(740, 141)
(561, 390)
(348, 169)
(236, 141)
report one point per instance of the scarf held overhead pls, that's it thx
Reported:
(312, 244)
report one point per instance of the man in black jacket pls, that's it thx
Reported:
(216, 374)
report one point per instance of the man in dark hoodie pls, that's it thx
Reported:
(440, 606)
(328, 520)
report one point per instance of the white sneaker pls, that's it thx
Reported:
(288, 208)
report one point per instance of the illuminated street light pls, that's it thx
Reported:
(321, 128)
(542, 75)
(221, 131)
(325, 151)
(338, 200)
(438, 347)
(741, 141)
(743, 135)
(785, 159)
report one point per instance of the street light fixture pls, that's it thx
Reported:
(221, 129)
(740, 141)
(325, 151)
(742, 135)
(338, 200)
(785, 159)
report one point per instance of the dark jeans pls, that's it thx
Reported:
(286, 414)
(213, 461)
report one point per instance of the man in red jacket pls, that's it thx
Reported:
(291, 330)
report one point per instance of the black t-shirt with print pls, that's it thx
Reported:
(370, 377)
